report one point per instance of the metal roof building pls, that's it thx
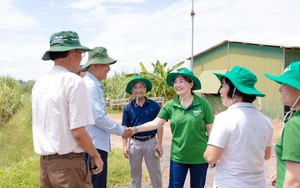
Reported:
(259, 58)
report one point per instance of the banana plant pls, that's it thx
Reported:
(158, 79)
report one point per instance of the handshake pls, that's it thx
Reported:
(129, 132)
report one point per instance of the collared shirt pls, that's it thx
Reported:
(137, 115)
(188, 127)
(100, 132)
(59, 103)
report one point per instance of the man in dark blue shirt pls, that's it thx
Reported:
(145, 144)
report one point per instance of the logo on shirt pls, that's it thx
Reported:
(197, 112)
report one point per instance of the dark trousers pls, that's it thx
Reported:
(99, 180)
(178, 172)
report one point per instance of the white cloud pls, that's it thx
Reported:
(136, 31)
(14, 19)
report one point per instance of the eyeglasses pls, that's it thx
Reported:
(181, 81)
(140, 88)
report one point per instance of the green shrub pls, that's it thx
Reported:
(11, 98)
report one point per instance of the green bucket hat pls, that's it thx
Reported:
(138, 79)
(64, 41)
(243, 79)
(186, 73)
(99, 55)
(290, 76)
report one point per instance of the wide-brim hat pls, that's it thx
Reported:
(138, 79)
(186, 73)
(243, 79)
(99, 55)
(64, 41)
(290, 76)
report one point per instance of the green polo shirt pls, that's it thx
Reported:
(189, 139)
(287, 147)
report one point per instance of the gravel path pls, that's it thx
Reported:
(116, 142)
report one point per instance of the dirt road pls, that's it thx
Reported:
(116, 142)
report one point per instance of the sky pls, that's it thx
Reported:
(135, 31)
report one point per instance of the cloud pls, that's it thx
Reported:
(136, 31)
(13, 18)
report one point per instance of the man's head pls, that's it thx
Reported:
(138, 86)
(99, 62)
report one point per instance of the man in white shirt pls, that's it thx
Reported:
(60, 113)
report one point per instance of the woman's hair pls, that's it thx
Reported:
(56, 55)
(245, 97)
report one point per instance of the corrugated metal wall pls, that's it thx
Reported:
(258, 59)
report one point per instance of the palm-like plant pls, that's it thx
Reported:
(158, 79)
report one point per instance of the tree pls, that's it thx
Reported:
(158, 79)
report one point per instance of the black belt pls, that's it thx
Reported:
(143, 138)
(65, 156)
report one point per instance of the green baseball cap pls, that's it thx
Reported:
(290, 76)
(64, 41)
(186, 73)
(243, 79)
(138, 79)
(99, 55)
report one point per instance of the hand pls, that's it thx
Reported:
(97, 165)
(159, 148)
(126, 152)
(273, 179)
(128, 132)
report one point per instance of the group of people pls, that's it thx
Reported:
(71, 130)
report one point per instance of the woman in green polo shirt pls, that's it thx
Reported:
(288, 145)
(191, 120)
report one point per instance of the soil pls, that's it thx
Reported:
(270, 165)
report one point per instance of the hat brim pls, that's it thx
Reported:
(172, 75)
(240, 87)
(144, 80)
(63, 49)
(283, 80)
(104, 61)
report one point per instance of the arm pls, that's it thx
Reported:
(98, 108)
(292, 175)
(208, 128)
(212, 154)
(84, 141)
(125, 145)
(151, 125)
(268, 152)
(158, 147)
(125, 148)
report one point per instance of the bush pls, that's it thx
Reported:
(11, 98)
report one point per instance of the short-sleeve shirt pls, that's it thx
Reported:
(137, 115)
(288, 146)
(60, 102)
(244, 133)
(188, 127)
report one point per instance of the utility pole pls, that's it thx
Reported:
(192, 56)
